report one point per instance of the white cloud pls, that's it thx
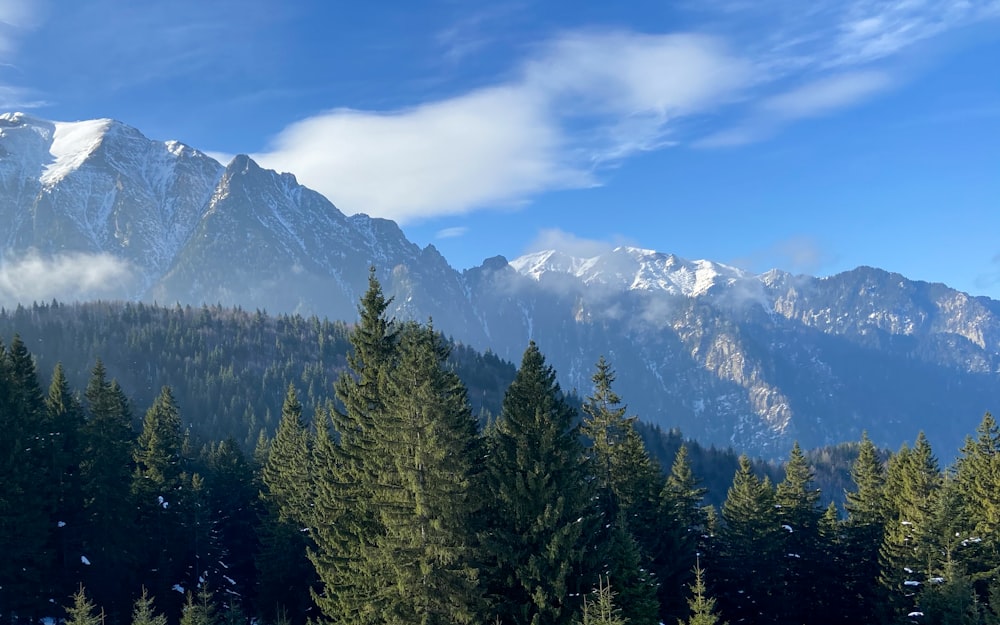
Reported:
(573, 245)
(826, 95)
(66, 277)
(451, 233)
(583, 99)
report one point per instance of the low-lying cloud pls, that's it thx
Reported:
(66, 277)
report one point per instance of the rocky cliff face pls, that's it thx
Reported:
(755, 361)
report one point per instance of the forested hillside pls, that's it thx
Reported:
(390, 504)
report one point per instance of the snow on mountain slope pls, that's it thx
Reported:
(632, 268)
(72, 143)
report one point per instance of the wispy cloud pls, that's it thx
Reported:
(451, 233)
(573, 245)
(66, 277)
(797, 254)
(16, 17)
(584, 99)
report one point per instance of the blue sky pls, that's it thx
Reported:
(808, 136)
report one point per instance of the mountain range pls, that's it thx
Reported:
(755, 361)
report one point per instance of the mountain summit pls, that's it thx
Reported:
(730, 357)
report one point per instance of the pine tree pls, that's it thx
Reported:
(162, 493)
(541, 512)
(286, 474)
(749, 548)
(627, 483)
(27, 499)
(143, 612)
(600, 608)
(66, 417)
(700, 604)
(83, 611)
(346, 477)
(286, 574)
(799, 515)
(907, 554)
(977, 514)
(105, 471)
(864, 530)
(199, 609)
(682, 523)
(430, 439)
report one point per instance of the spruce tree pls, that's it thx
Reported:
(346, 478)
(105, 471)
(977, 514)
(700, 604)
(66, 417)
(162, 494)
(750, 548)
(908, 554)
(600, 607)
(627, 483)
(423, 498)
(27, 498)
(541, 513)
(864, 530)
(143, 612)
(682, 522)
(799, 515)
(286, 574)
(83, 611)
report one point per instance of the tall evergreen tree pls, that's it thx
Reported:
(541, 513)
(864, 533)
(66, 417)
(347, 522)
(977, 489)
(750, 543)
(627, 483)
(27, 498)
(423, 498)
(286, 575)
(162, 493)
(683, 522)
(798, 512)
(601, 608)
(105, 471)
(907, 555)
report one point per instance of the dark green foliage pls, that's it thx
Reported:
(683, 523)
(347, 475)
(801, 551)
(165, 498)
(749, 549)
(627, 483)
(908, 554)
(541, 513)
(27, 494)
(286, 493)
(423, 496)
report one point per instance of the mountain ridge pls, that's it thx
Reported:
(733, 358)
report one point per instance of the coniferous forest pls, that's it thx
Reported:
(408, 490)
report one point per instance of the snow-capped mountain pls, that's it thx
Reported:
(730, 357)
